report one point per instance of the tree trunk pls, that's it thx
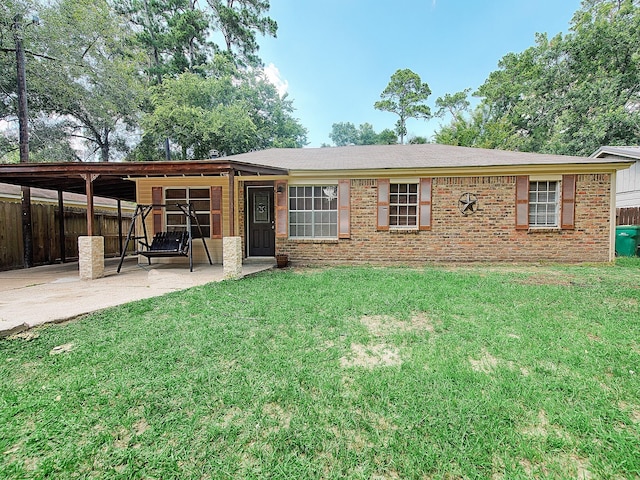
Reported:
(104, 147)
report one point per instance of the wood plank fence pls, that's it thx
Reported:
(46, 235)
(628, 216)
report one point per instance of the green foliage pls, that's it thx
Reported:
(346, 133)
(81, 80)
(172, 32)
(240, 21)
(567, 95)
(418, 140)
(228, 114)
(405, 96)
(94, 84)
(476, 130)
(95, 67)
(453, 104)
(387, 137)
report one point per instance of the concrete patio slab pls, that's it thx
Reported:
(53, 293)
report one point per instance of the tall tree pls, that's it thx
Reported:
(405, 96)
(453, 104)
(91, 88)
(81, 81)
(173, 34)
(568, 94)
(346, 133)
(17, 38)
(228, 115)
(239, 21)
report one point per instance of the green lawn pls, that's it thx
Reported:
(498, 372)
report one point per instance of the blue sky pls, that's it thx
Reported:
(335, 57)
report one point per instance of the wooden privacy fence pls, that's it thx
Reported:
(46, 234)
(628, 216)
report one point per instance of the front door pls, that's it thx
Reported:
(261, 224)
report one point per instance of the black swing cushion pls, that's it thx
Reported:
(167, 244)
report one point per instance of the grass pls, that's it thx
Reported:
(499, 372)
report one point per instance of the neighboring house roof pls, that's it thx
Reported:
(375, 157)
(51, 196)
(627, 180)
(627, 152)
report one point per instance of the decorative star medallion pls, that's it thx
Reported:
(468, 204)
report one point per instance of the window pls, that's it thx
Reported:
(543, 203)
(403, 205)
(200, 204)
(313, 211)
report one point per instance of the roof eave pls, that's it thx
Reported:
(543, 169)
(617, 152)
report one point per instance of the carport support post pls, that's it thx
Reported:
(91, 257)
(90, 248)
(63, 251)
(232, 258)
(89, 178)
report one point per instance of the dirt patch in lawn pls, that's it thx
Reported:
(382, 354)
(487, 363)
(66, 348)
(277, 414)
(383, 325)
(371, 356)
(570, 464)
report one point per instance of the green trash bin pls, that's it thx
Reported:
(627, 240)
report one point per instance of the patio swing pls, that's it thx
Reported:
(174, 243)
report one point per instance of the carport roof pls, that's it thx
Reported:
(114, 180)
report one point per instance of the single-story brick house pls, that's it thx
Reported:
(374, 204)
(404, 204)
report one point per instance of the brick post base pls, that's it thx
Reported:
(91, 257)
(232, 257)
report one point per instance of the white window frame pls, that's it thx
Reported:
(326, 192)
(541, 207)
(398, 205)
(175, 212)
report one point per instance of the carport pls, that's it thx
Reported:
(115, 181)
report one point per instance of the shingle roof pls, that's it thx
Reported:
(628, 152)
(402, 156)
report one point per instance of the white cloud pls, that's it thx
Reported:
(273, 76)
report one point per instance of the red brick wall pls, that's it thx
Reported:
(488, 235)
